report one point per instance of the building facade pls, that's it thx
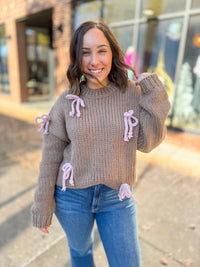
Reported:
(155, 36)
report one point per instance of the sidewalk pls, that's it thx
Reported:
(25, 111)
(167, 191)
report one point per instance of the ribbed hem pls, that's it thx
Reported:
(41, 221)
(150, 82)
(98, 93)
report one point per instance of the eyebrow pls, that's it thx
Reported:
(99, 46)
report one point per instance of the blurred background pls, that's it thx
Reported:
(155, 36)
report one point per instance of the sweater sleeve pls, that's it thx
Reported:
(154, 108)
(52, 154)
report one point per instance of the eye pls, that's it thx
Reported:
(102, 51)
(85, 52)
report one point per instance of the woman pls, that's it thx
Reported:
(90, 142)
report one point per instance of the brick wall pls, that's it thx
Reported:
(61, 41)
(14, 11)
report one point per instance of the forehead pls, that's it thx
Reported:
(94, 37)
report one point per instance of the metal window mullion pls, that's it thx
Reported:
(171, 15)
(102, 9)
(195, 11)
(122, 23)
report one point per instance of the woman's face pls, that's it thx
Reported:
(97, 57)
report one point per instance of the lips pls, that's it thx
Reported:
(95, 71)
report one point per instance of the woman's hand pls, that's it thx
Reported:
(142, 76)
(45, 230)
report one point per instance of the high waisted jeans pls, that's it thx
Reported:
(76, 210)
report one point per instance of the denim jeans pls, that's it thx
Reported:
(76, 210)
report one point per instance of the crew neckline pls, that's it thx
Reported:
(98, 93)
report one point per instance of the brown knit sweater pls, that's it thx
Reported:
(94, 144)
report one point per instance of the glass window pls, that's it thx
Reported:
(195, 3)
(124, 36)
(154, 8)
(4, 79)
(158, 46)
(118, 10)
(86, 10)
(38, 43)
(187, 102)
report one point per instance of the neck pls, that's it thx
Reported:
(98, 85)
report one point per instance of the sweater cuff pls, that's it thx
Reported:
(41, 221)
(150, 82)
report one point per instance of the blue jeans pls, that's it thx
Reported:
(76, 210)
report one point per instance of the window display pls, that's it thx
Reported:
(158, 47)
(187, 103)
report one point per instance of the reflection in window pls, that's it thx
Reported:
(88, 10)
(118, 10)
(4, 79)
(154, 8)
(187, 104)
(158, 49)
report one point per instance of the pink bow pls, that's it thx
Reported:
(78, 101)
(128, 131)
(125, 191)
(68, 173)
(45, 119)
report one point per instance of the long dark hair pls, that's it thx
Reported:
(118, 73)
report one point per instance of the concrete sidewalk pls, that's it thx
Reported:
(167, 191)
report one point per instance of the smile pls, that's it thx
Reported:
(96, 71)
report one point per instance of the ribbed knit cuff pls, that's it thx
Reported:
(150, 82)
(41, 221)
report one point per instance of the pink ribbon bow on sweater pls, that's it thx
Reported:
(125, 191)
(44, 121)
(78, 101)
(128, 131)
(68, 174)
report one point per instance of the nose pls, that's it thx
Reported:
(94, 59)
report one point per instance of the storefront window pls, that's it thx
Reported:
(86, 10)
(38, 43)
(157, 49)
(4, 79)
(154, 8)
(118, 10)
(187, 102)
(195, 3)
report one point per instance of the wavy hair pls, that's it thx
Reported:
(118, 73)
